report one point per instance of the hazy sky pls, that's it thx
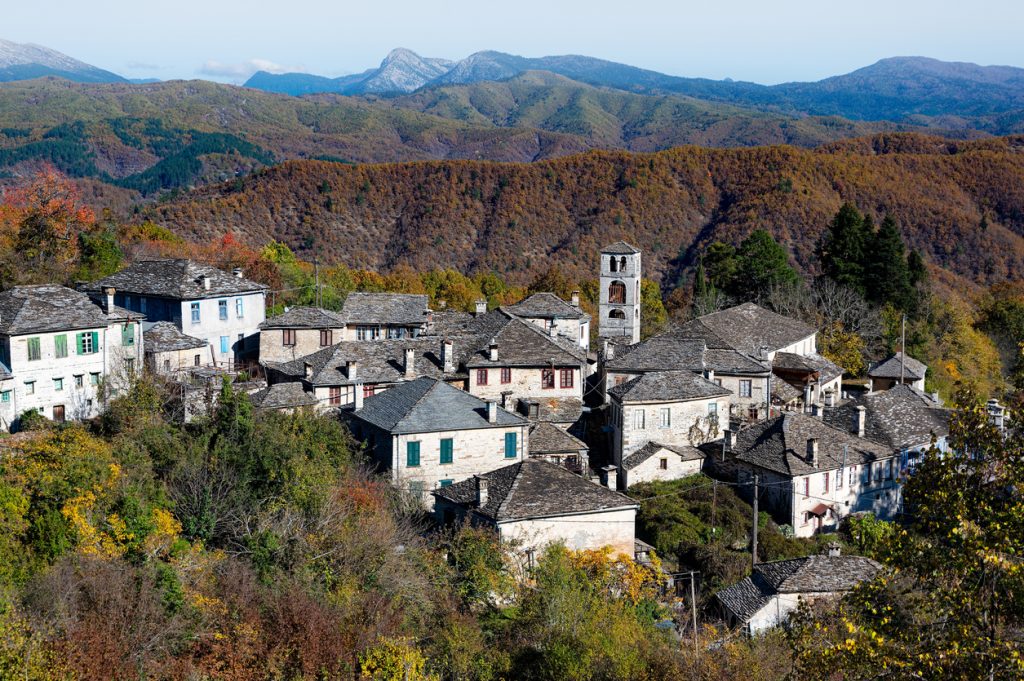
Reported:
(756, 40)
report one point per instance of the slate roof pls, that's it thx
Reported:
(523, 344)
(620, 248)
(784, 392)
(282, 396)
(178, 279)
(166, 337)
(535, 488)
(780, 444)
(554, 409)
(651, 448)
(749, 327)
(427, 405)
(914, 370)
(899, 417)
(667, 386)
(5, 372)
(305, 318)
(449, 323)
(665, 352)
(545, 306)
(48, 308)
(810, 575)
(547, 438)
(826, 369)
(400, 309)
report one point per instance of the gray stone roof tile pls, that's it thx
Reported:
(547, 438)
(889, 367)
(523, 344)
(620, 248)
(305, 318)
(282, 396)
(399, 309)
(49, 308)
(545, 306)
(166, 337)
(667, 386)
(899, 417)
(554, 409)
(685, 453)
(177, 279)
(826, 369)
(749, 327)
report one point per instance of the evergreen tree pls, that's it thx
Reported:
(844, 248)
(887, 276)
(700, 281)
(762, 264)
(722, 265)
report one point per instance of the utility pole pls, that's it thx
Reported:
(316, 279)
(693, 607)
(753, 547)
(903, 347)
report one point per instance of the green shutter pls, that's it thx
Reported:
(510, 446)
(34, 351)
(412, 454)
(446, 450)
(95, 341)
(60, 345)
(78, 342)
(128, 334)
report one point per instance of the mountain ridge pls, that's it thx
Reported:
(23, 61)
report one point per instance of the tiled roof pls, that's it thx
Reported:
(547, 438)
(826, 368)
(899, 417)
(449, 323)
(784, 392)
(749, 327)
(545, 306)
(523, 344)
(810, 575)
(665, 352)
(651, 448)
(620, 248)
(554, 409)
(428, 405)
(166, 337)
(178, 279)
(535, 488)
(780, 444)
(914, 370)
(402, 309)
(667, 386)
(282, 396)
(305, 318)
(43, 309)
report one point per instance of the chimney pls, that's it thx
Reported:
(492, 411)
(505, 395)
(237, 272)
(357, 396)
(936, 399)
(442, 304)
(835, 549)
(108, 292)
(611, 477)
(728, 439)
(481, 490)
(817, 411)
(607, 349)
(830, 398)
(533, 410)
(575, 299)
(812, 451)
(352, 369)
(410, 363)
(205, 281)
(860, 420)
(493, 350)
(710, 375)
(307, 370)
(448, 355)
(481, 308)
(552, 330)
(807, 398)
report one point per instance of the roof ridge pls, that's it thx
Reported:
(499, 512)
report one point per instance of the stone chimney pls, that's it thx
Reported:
(409, 365)
(237, 272)
(812, 451)
(307, 370)
(807, 398)
(830, 398)
(835, 549)
(481, 490)
(448, 355)
(492, 411)
(481, 308)
(533, 410)
(860, 419)
(352, 369)
(108, 294)
(611, 477)
(575, 299)
(357, 396)
(607, 349)
(728, 439)
(204, 281)
(492, 350)
(817, 411)
(709, 374)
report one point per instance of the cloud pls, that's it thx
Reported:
(142, 66)
(243, 70)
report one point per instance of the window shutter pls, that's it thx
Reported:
(446, 450)
(510, 446)
(412, 454)
(78, 342)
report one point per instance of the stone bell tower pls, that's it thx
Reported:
(620, 292)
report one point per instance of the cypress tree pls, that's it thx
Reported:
(843, 250)
(887, 274)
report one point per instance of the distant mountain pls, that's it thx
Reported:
(26, 61)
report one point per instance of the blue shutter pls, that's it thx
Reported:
(446, 450)
(510, 446)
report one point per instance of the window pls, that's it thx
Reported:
(481, 376)
(826, 483)
(58, 384)
(888, 470)
(613, 264)
(224, 344)
(142, 305)
(718, 382)
(30, 387)
(416, 488)
(396, 332)
(446, 450)
(334, 396)
(547, 378)
(367, 332)
(128, 334)
(129, 366)
(60, 346)
(222, 309)
(445, 483)
(663, 464)
(287, 337)
(412, 454)
(369, 390)
(745, 388)
(639, 419)
(807, 487)
(94, 379)
(616, 314)
(878, 472)
(239, 308)
(665, 417)
(167, 365)
(622, 265)
(839, 478)
(853, 475)
(88, 342)
(5, 396)
(566, 378)
(197, 360)
(617, 292)
(195, 313)
(34, 353)
(506, 374)
(326, 337)
(511, 446)
(712, 408)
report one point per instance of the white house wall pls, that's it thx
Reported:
(614, 528)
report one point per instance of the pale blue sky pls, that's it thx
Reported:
(756, 40)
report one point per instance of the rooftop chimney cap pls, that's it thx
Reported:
(575, 299)
(812, 451)
(307, 369)
(492, 411)
(351, 369)
(481, 490)
(237, 272)
(204, 280)
(481, 307)
(835, 549)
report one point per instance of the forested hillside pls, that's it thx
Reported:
(961, 204)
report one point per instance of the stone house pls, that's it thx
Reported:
(428, 434)
(62, 353)
(552, 314)
(657, 461)
(285, 397)
(299, 331)
(897, 369)
(677, 408)
(551, 443)
(535, 503)
(223, 308)
(818, 379)
(384, 316)
(169, 351)
(767, 597)
(811, 474)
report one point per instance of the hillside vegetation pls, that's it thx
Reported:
(961, 204)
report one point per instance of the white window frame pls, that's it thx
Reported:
(665, 417)
(639, 419)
